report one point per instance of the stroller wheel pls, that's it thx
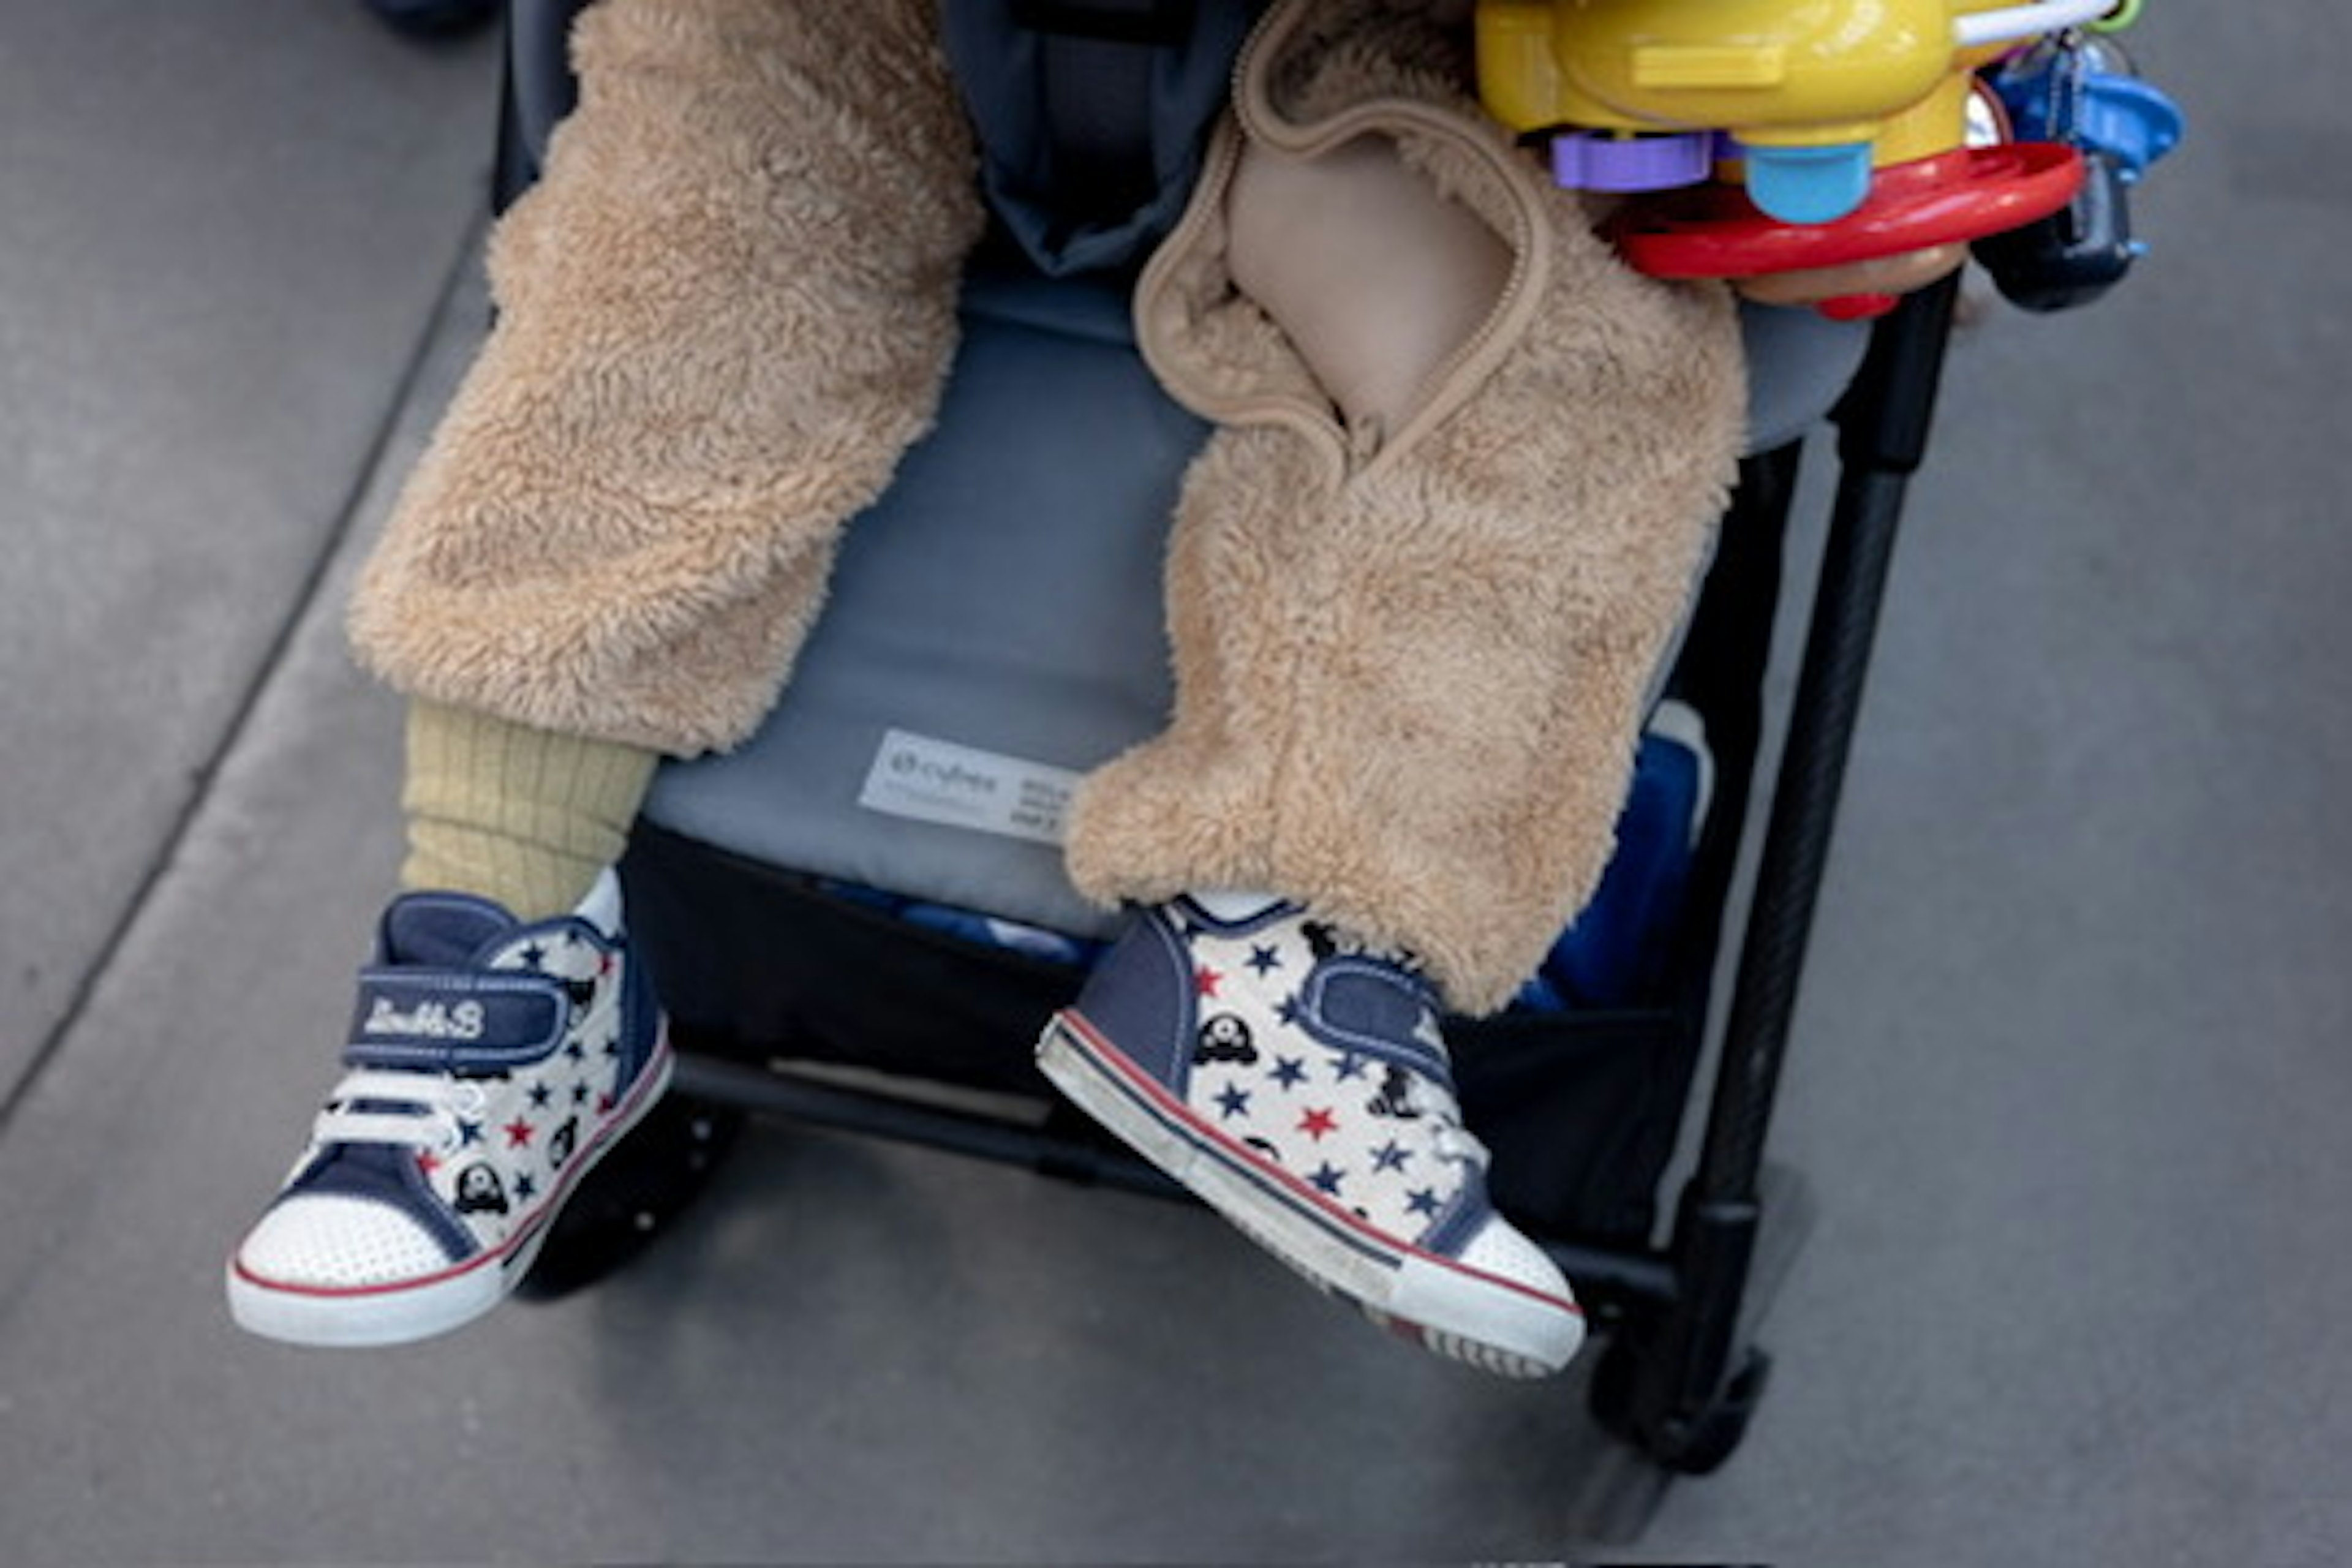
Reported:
(647, 1182)
(1692, 1445)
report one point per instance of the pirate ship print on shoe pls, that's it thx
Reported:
(491, 1063)
(1297, 1083)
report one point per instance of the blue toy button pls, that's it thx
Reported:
(1809, 184)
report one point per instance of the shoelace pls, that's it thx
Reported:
(432, 1103)
(1453, 1140)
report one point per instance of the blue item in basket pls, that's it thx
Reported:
(859, 893)
(992, 931)
(968, 925)
(1539, 995)
(1613, 955)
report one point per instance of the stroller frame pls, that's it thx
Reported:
(1680, 1376)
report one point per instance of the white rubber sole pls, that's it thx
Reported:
(1484, 1320)
(420, 1309)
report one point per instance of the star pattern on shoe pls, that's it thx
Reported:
(1342, 1115)
(1301, 1085)
(516, 1158)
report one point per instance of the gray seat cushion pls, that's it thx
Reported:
(994, 625)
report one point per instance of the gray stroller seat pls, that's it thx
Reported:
(994, 626)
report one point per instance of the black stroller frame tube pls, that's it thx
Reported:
(1687, 1370)
(1883, 431)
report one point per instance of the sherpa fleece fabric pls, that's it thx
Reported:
(724, 312)
(1410, 666)
(1409, 654)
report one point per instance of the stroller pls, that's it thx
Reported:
(858, 919)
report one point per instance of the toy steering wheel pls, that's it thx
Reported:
(1717, 232)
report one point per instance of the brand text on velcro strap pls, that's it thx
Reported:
(454, 1018)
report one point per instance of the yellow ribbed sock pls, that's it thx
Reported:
(525, 816)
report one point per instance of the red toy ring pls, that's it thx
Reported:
(1715, 231)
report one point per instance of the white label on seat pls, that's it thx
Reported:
(959, 786)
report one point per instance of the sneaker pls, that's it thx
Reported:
(492, 1063)
(1297, 1084)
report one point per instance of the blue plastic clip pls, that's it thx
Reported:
(2086, 95)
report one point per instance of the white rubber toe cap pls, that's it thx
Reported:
(1504, 1306)
(330, 1243)
(1501, 1251)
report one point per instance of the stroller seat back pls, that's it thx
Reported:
(992, 627)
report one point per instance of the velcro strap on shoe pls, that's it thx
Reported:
(455, 1020)
(1371, 1009)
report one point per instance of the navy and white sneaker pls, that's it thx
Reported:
(492, 1063)
(1297, 1083)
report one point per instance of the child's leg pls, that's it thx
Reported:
(725, 311)
(1411, 641)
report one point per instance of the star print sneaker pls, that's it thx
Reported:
(1297, 1084)
(491, 1063)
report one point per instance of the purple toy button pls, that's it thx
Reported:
(1598, 160)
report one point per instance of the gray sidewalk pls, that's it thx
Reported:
(224, 229)
(2070, 1082)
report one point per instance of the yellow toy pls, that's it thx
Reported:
(1814, 94)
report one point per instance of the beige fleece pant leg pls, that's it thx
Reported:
(726, 311)
(1409, 696)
